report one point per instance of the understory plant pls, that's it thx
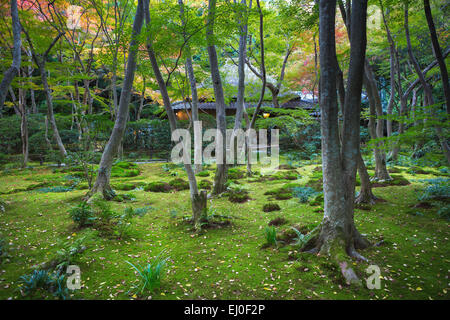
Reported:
(150, 275)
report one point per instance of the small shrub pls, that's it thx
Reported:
(301, 238)
(53, 283)
(303, 193)
(158, 186)
(103, 214)
(444, 212)
(68, 253)
(179, 184)
(271, 206)
(124, 221)
(270, 233)
(82, 214)
(150, 276)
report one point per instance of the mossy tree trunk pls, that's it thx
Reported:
(222, 170)
(337, 235)
(102, 183)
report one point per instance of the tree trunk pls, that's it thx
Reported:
(365, 194)
(222, 171)
(198, 200)
(141, 104)
(337, 234)
(50, 114)
(9, 74)
(438, 53)
(193, 83)
(376, 125)
(426, 88)
(104, 172)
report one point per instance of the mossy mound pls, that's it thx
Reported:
(238, 195)
(286, 167)
(283, 193)
(394, 170)
(124, 197)
(124, 186)
(278, 221)
(125, 165)
(271, 206)
(158, 186)
(179, 184)
(235, 174)
(205, 184)
(397, 180)
(418, 170)
(82, 186)
(118, 172)
(203, 174)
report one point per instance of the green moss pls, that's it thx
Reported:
(317, 200)
(124, 186)
(271, 206)
(405, 254)
(238, 195)
(179, 184)
(158, 186)
(205, 184)
(203, 174)
(235, 174)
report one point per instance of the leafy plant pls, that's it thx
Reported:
(303, 193)
(301, 238)
(53, 283)
(82, 214)
(150, 275)
(437, 189)
(270, 234)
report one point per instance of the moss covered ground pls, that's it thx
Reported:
(227, 262)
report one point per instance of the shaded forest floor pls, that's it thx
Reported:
(226, 262)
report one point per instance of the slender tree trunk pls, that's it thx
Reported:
(426, 88)
(376, 124)
(438, 53)
(9, 74)
(221, 172)
(193, 83)
(365, 193)
(50, 114)
(141, 104)
(104, 172)
(337, 234)
(198, 199)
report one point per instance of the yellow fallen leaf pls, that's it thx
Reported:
(418, 289)
(134, 296)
